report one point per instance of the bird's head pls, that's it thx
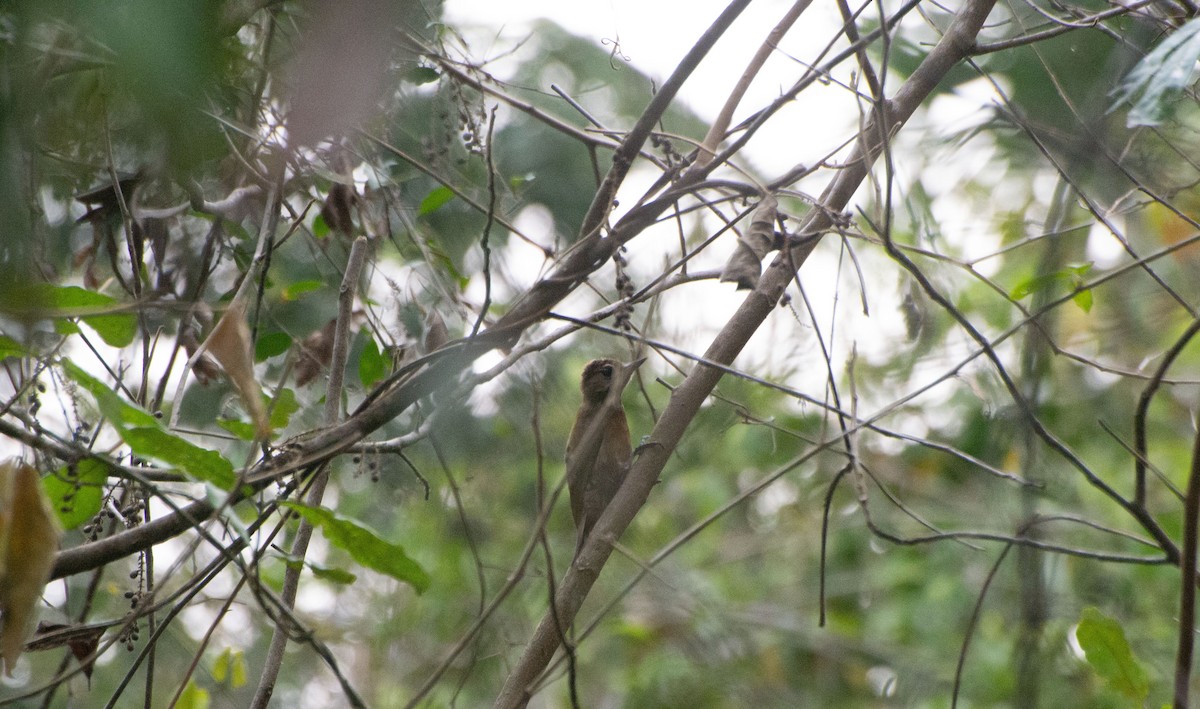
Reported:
(599, 374)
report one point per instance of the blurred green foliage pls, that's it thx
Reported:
(182, 93)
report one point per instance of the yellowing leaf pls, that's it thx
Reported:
(230, 668)
(229, 343)
(28, 542)
(220, 669)
(193, 696)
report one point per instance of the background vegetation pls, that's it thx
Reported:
(940, 452)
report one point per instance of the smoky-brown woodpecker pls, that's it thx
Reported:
(593, 479)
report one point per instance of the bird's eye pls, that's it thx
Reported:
(606, 370)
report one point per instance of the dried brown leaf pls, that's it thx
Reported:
(28, 542)
(83, 640)
(229, 344)
(205, 369)
(316, 351)
(745, 265)
(436, 333)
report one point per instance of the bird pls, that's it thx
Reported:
(598, 450)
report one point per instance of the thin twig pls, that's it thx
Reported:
(333, 400)
(1187, 582)
(716, 133)
(485, 240)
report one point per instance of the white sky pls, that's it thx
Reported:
(656, 34)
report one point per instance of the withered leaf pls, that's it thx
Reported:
(316, 351)
(83, 640)
(229, 343)
(28, 542)
(436, 333)
(745, 265)
(205, 369)
(102, 201)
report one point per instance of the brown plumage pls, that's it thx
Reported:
(594, 479)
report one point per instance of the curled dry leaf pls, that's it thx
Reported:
(229, 344)
(156, 233)
(103, 201)
(316, 351)
(745, 266)
(28, 542)
(83, 640)
(205, 369)
(436, 333)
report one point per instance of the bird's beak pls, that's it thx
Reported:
(625, 375)
(632, 366)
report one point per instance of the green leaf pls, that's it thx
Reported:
(364, 546)
(1160, 76)
(434, 200)
(1084, 300)
(320, 228)
(422, 75)
(443, 260)
(76, 495)
(372, 364)
(516, 182)
(142, 433)
(282, 408)
(220, 669)
(329, 574)
(10, 348)
(1071, 274)
(272, 345)
(193, 697)
(299, 288)
(333, 575)
(120, 412)
(199, 463)
(236, 230)
(1103, 642)
(1033, 285)
(118, 329)
(230, 666)
(241, 429)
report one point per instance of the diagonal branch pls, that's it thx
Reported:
(687, 398)
(442, 367)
